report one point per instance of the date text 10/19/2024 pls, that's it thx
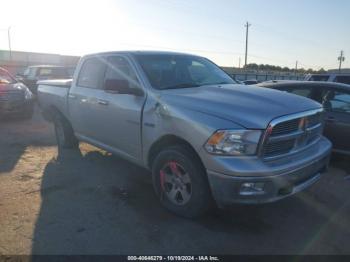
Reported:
(173, 258)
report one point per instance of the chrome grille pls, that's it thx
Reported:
(286, 127)
(292, 133)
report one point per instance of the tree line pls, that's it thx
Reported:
(266, 67)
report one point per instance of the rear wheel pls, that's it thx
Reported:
(180, 182)
(64, 133)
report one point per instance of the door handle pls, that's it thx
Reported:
(102, 102)
(71, 96)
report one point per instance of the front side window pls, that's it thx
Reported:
(336, 101)
(92, 72)
(119, 72)
(170, 71)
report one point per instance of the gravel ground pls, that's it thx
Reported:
(91, 202)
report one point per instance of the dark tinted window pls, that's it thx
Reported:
(336, 101)
(301, 91)
(306, 92)
(343, 79)
(319, 78)
(92, 72)
(119, 70)
(58, 72)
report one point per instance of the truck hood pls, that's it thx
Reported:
(248, 106)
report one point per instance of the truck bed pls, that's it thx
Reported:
(54, 93)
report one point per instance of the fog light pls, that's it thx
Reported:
(252, 188)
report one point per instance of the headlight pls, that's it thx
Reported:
(234, 142)
(27, 94)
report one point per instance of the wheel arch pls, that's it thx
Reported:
(168, 141)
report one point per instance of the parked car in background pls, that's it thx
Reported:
(250, 82)
(335, 99)
(33, 74)
(332, 77)
(200, 133)
(15, 98)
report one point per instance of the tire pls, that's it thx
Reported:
(180, 182)
(64, 133)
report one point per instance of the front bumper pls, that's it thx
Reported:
(280, 178)
(16, 108)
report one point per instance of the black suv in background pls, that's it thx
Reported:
(334, 97)
(32, 74)
(15, 98)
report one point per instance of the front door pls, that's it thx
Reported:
(117, 117)
(337, 127)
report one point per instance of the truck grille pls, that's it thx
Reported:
(292, 133)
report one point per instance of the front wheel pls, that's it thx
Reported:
(180, 182)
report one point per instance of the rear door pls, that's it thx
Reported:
(337, 127)
(83, 97)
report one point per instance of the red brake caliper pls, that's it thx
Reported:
(174, 168)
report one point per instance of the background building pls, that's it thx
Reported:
(17, 61)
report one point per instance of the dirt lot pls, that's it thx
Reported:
(91, 202)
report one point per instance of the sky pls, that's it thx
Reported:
(282, 32)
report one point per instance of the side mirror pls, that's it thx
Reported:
(121, 86)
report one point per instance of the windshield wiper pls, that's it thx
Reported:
(182, 85)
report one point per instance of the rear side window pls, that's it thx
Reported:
(54, 72)
(92, 73)
(342, 79)
(300, 91)
(306, 92)
(30, 72)
(319, 78)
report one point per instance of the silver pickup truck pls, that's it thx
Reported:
(205, 138)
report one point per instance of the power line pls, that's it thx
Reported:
(9, 40)
(246, 43)
(341, 59)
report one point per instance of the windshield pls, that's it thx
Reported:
(181, 71)
(6, 78)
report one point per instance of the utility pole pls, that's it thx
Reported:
(9, 39)
(296, 67)
(246, 42)
(341, 59)
(239, 62)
